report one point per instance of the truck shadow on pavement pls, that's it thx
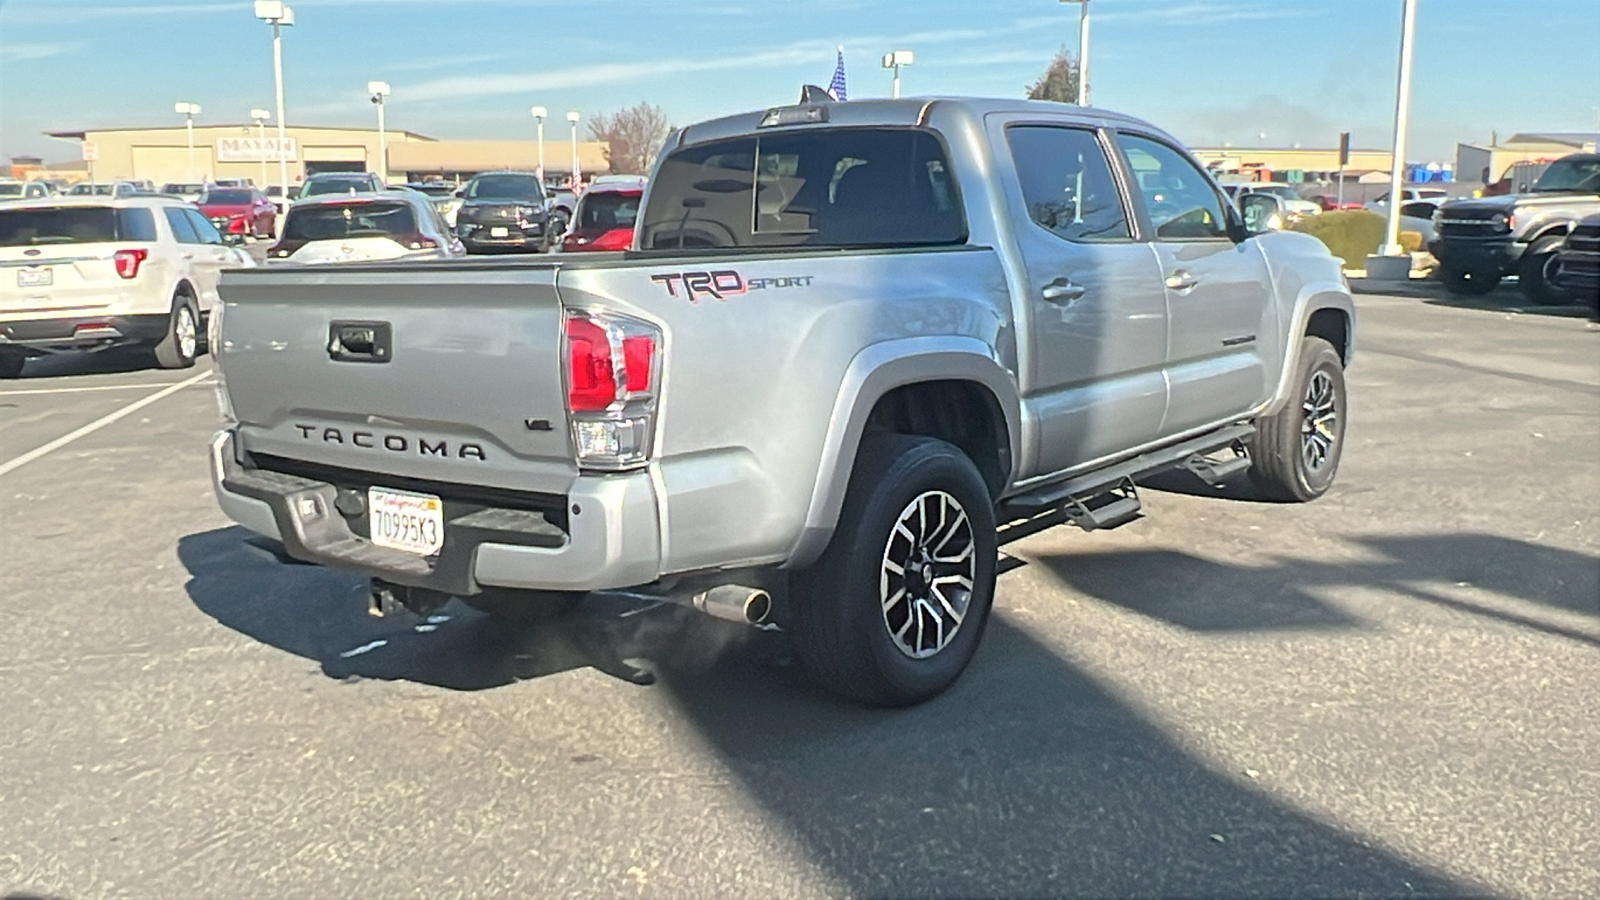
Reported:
(111, 361)
(1028, 778)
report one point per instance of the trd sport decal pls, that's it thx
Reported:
(722, 284)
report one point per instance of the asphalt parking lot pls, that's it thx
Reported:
(1389, 692)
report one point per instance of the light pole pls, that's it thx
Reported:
(260, 116)
(539, 115)
(380, 92)
(188, 111)
(894, 59)
(573, 118)
(1402, 112)
(279, 14)
(1083, 50)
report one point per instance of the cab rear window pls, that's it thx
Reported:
(74, 225)
(839, 187)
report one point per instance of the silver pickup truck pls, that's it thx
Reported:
(851, 341)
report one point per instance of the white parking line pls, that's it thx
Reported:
(75, 390)
(98, 424)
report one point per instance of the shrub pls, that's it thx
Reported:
(1353, 234)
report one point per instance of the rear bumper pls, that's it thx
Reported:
(83, 332)
(529, 234)
(1497, 254)
(606, 537)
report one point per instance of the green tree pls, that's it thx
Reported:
(1059, 81)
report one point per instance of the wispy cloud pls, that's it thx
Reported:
(10, 53)
(1198, 13)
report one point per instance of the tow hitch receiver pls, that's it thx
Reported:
(387, 599)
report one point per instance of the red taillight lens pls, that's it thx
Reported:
(592, 386)
(637, 354)
(416, 241)
(128, 261)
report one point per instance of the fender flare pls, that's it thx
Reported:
(874, 372)
(1314, 296)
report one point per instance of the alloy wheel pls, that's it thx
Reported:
(927, 574)
(1320, 422)
(186, 331)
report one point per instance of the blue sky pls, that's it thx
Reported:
(1211, 71)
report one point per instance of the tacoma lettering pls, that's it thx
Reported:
(394, 443)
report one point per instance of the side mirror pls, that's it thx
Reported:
(1263, 213)
(459, 193)
(233, 240)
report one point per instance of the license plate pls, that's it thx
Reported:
(499, 231)
(401, 520)
(35, 277)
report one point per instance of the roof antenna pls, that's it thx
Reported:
(810, 93)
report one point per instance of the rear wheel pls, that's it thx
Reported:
(1534, 271)
(1294, 453)
(178, 349)
(892, 612)
(11, 363)
(1468, 282)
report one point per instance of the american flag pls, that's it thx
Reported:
(836, 86)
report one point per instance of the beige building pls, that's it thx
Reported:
(1494, 161)
(163, 155)
(1280, 163)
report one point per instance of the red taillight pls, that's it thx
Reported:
(128, 261)
(593, 386)
(591, 366)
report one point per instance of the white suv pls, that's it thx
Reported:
(92, 272)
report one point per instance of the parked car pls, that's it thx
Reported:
(90, 273)
(338, 183)
(1408, 195)
(503, 211)
(1479, 241)
(444, 196)
(23, 190)
(186, 190)
(1295, 205)
(605, 217)
(384, 225)
(1577, 270)
(231, 182)
(854, 337)
(105, 189)
(241, 211)
(1330, 202)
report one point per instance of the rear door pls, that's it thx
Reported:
(211, 254)
(1218, 292)
(1099, 313)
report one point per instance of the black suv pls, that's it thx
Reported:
(503, 211)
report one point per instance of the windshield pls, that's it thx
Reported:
(57, 225)
(361, 218)
(608, 210)
(10, 190)
(183, 188)
(506, 187)
(225, 198)
(1581, 175)
(839, 187)
(80, 190)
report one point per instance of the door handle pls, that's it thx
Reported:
(1062, 290)
(1181, 280)
(188, 256)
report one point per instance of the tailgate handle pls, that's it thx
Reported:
(371, 342)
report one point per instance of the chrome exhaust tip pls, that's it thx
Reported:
(735, 603)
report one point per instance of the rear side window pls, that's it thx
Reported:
(136, 224)
(841, 187)
(1067, 184)
(59, 225)
(182, 229)
(336, 221)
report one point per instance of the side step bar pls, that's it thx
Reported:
(1216, 471)
(1088, 489)
(1115, 507)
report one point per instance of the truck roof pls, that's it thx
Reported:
(906, 111)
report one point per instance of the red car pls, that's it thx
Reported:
(242, 211)
(604, 217)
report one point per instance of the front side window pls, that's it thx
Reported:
(1177, 195)
(838, 187)
(182, 229)
(1067, 183)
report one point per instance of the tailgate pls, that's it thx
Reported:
(60, 280)
(461, 384)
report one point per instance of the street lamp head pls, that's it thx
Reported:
(186, 109)
(274, 11)
(378, 89)
(897, 58)
(539, 112)
(573, 117)
(260, 115)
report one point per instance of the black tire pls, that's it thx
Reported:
(1279, 466)
(1534, 270)
(555, 227)
(182, 343)
(523, 606)
(842, 626)
(1468, 282)
(11, 363)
